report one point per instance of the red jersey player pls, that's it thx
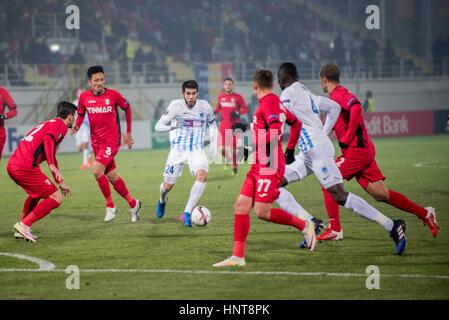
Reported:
(230, 105)
(358, 159)
(100, 105)
(23, 167)
(5, 102)
(261, 186)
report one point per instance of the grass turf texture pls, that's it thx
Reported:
(75, 234)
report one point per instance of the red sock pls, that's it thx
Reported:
(400, 201)
(41, 210)
(103, 183)
(241, 230)
(120, 187)
(333, 211)
(28, 206)
(280, 216)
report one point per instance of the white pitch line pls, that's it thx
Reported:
(44, 265)
(238, 273)
(431, 164)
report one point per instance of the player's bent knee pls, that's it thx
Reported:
(262, 213)
(57, 196)
(201, 176)
(242, 207)
(380, 196)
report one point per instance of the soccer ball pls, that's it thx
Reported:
(201, 216)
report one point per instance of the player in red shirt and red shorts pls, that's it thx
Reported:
(5, 102)
(100, 105)
(358, 159)
(23, 167)
(261, 186)
(231, 106)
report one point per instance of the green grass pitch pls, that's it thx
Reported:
(75, 234)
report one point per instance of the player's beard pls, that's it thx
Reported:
(188, 104)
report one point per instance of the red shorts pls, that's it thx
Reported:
(361, 164)
(261, 187)
(105, 154)
(33, 181)
(2, 140)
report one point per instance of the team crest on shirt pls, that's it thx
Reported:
(106, 101)
(324, 170)
(202, 115)
(282, 117)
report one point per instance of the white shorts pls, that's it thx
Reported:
(320, 161)
(197, 160)
(82, 136)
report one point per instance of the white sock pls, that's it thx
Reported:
(163, 194)
(195, 195)
(85, 156)
(288, 203)
(363, 209)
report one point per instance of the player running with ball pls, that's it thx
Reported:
(187, 119)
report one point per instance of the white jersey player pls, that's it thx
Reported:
(82, 138)
(316, 154)
(187, 120)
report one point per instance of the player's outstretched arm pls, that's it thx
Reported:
(332, 109)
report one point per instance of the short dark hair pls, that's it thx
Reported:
(331, 73)
(228, 79)
(263, 78)
(65, 109)
(189, 84)
(288, 73)
(93, 70)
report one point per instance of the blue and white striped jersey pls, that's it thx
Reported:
(187, 125)
(307, 107)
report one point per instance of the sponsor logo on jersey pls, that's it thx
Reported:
(282, 117)
(107, 109)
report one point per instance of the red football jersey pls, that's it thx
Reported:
(6, 101)
(30, 152)
(270, 110)
(103, 115)
(228, 103)
(360, 137)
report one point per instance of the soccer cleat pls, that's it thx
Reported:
(135, 211)
(110, 214)
(330, 235)
(186, 219)
(160, 209)
(431, 221)
(234, 170)
(319, 225)
(231, 262)
(24, 231)
(83, 167)
(19, 236)
(398, 235)
(309, 235)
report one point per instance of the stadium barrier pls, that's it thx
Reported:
(378, 124)
(396, 124)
